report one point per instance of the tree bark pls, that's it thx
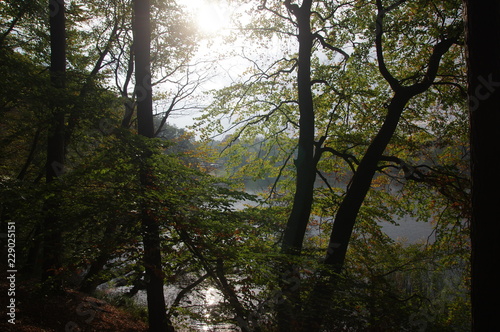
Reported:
(483, 65)
(51, 229)
(142, 53)
(360, 184)
(157, 315)
(305, 163)
(289, 306)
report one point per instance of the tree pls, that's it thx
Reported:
(360, 183)
(173, 44)
(66, 114)
(51, 227)
(483, 64)
(158, 320)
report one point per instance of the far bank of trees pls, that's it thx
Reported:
(361, 119)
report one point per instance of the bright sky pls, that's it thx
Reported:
(212, 16)
(216, 19)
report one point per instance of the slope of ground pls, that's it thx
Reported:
(67, 310)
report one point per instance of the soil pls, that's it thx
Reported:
(67, 310)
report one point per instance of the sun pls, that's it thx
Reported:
(212, 17)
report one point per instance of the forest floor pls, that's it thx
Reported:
(67, 310)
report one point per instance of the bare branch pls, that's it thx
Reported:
(463, 90)
(381, 12)
(411, 172)
(326, 181)
(253, 120)
(350, 159)
(184, 91)
(186, 290)
(329, 46)
(263, 6)
(272, 191)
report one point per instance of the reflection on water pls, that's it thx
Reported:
(212, 297)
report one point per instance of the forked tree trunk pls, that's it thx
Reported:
(360, 185)
(349, 208)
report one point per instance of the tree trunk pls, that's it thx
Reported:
(483, 61)
(157, 315)
(320, 298)
(305, 164)
(143, 88)
(51, 229)
(92, 278)
(361, 182)
(289, 306)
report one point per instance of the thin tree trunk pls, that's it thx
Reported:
(31, 155)
(128, 103)
(87, 87)
(92, 278)
(22, 10)
(157, 315)
(483, 62)
(242, 318)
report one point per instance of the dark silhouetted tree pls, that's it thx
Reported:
(483, 62)
(51, 228)
(158, 320)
